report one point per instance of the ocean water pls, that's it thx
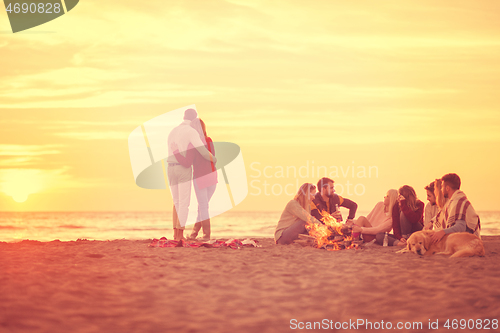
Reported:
(66, 226)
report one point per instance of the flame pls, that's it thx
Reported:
(332, 222)
(323, 233)
(336, 247)
(320, 233)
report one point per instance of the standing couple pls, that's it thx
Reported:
(191, 158)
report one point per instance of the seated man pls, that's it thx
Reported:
(459, 215)
(431, 209)
(326, 201)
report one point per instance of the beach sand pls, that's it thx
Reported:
(126, 286)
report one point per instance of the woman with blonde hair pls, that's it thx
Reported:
(296, 215)
(437, 222)
(379, 219)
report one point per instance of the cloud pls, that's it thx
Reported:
(18, 161)
(29, 150)
(20, 156)
(96, 135)
(81, 87)
(19, 183)
(67, 76)
(330, 126)
(124, 52)
(62, 86)
(71, 124)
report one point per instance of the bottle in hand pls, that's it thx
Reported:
(386, 239)
(338, 215)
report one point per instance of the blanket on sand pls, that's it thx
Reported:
(232, 243)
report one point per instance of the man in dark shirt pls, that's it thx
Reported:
(326, 201)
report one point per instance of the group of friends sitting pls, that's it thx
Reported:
(448, 211)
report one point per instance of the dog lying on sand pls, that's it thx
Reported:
(460, 244)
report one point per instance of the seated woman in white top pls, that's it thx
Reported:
(296, 215)
(379, 219)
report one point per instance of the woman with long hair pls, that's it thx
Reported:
(379, 219)
(296, 215)
(438, 221)
(408, 215)
(204, 178)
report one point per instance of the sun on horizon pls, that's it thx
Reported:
(20, 183)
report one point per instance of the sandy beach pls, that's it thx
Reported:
(126, 286)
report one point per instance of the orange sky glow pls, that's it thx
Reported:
(375, 95)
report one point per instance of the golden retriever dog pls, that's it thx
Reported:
(460, 244)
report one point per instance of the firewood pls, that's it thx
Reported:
(306, 237)
(303, 242)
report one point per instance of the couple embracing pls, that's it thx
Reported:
(191, 159)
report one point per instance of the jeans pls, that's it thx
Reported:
(407, 228)
(203, 219)
(203, 196)
(179, 179)
(292, 232)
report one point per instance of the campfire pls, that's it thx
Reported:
(332, 236)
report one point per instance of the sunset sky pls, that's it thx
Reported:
(409, 88)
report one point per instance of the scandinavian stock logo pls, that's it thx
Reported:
(27, 14)
(154, 167)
